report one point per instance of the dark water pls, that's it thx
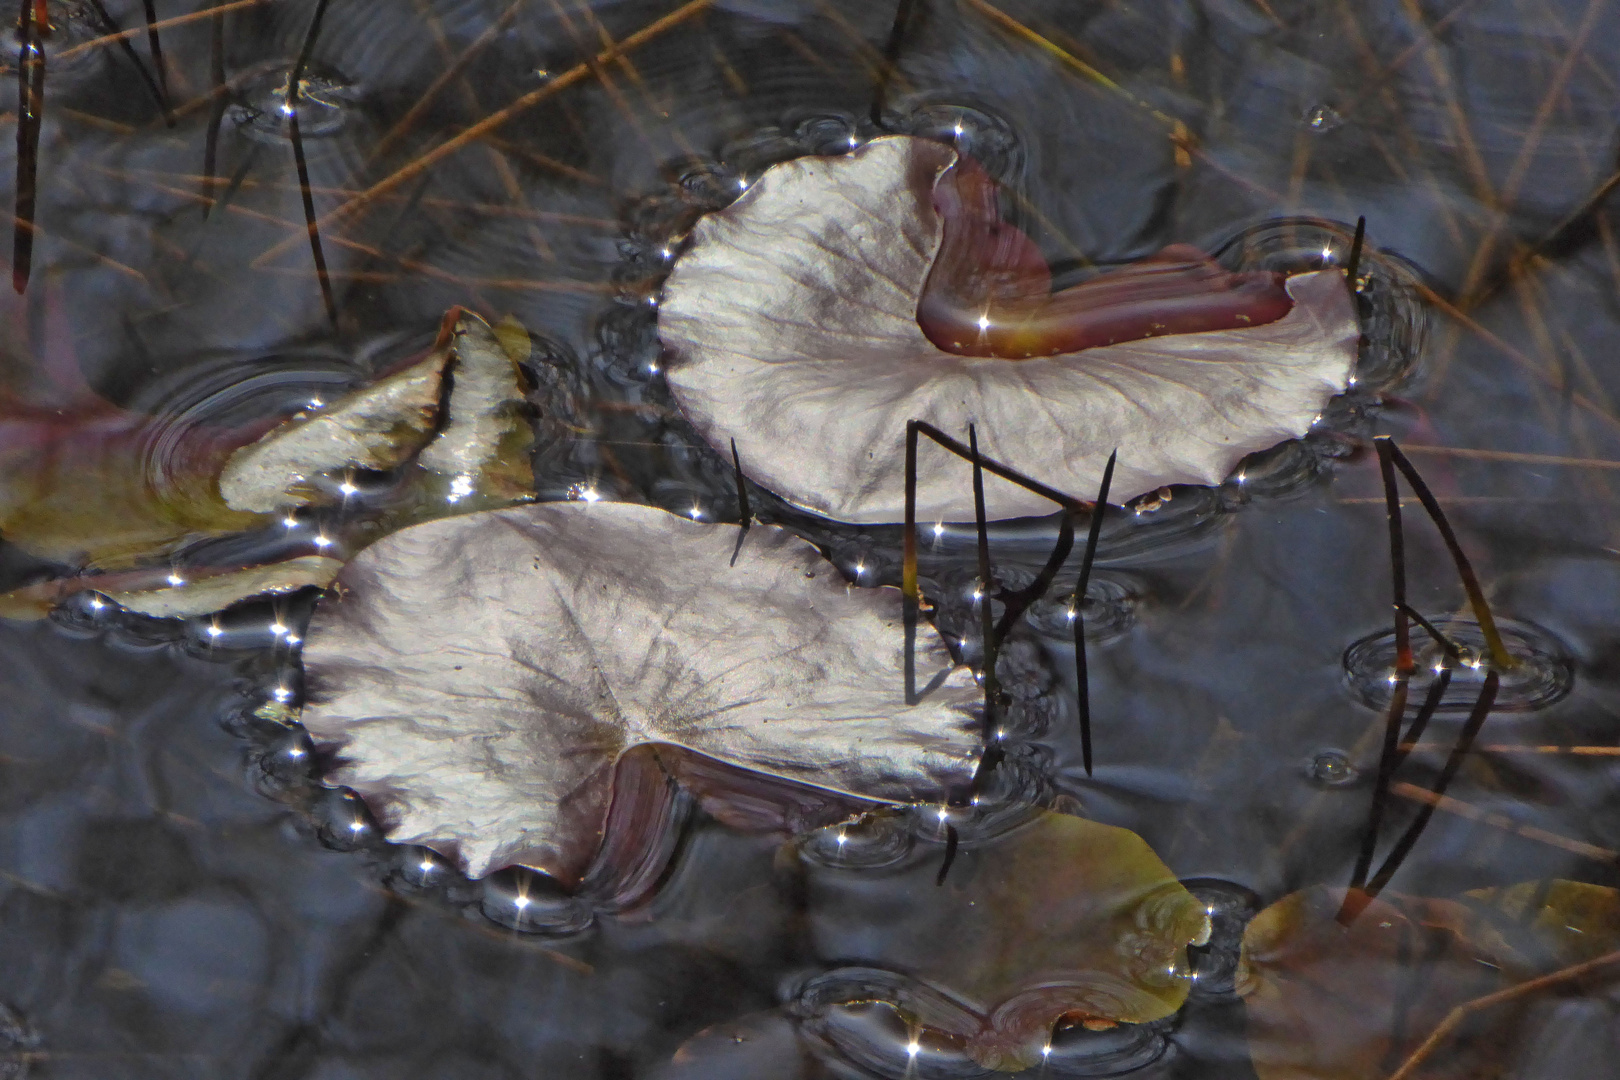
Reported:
(172, 902)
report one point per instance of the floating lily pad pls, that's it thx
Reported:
(485, 672)
(792, 320)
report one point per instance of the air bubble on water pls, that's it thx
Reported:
(1332, 768)
(531, 902)
(325, 102)
(1323, 118)
(1542, 675)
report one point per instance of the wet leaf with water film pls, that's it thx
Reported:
(485, 672)
(1058, 920)
(82, 490)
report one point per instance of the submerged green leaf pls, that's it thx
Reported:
(1329, 1001)
(1060, 920)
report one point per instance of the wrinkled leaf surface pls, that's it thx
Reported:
(792, 320)
(485, 672)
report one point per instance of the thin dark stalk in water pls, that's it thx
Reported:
(1431, 703)
(1465, 742)
(31, 27)
(744, 514)
(891, 58)
(1082, 673)
(1447, 646)
(952, 839)
(294, 79)
(909, 594)
(216, 106)
(1500, 657)
(996, 468)
(1389, 756)
(992, 688)
(157, 54)
(1016, 603)
(1353, 267)
(157, 92)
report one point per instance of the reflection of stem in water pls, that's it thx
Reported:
(1403, 847)
(576, 74)
(1390, 459)
(1501, 821)
(1016, 603)
(903, 13)
(157, 53)
(135, 61)
(1389, 757)
(1431, 702)
(987, 631)
(1081, 672)
(216, 107)
(33, 24)
(294, 78)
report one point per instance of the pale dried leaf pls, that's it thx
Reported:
(485, 672)
(151, 592)
(485, 444)
(792, 320)
(202, 595)
(377, 427)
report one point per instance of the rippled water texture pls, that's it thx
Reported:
(179, 900)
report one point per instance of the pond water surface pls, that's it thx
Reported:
(175, 898)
